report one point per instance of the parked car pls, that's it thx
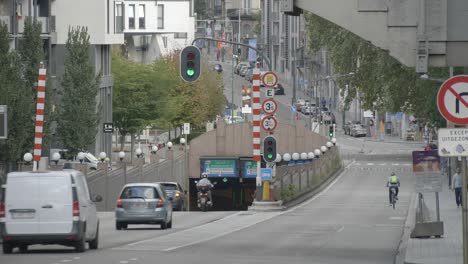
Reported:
(249, 75)
(347, 127)
(179, 196)
(52, 207)
(358, 130)
(239, 65)
(279, 89)
(243, 71)
(218, 68)
(143, 203)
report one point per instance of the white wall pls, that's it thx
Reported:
(90, 13)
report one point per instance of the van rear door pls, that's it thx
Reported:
(56, 204)
(22, 204)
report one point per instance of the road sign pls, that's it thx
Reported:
(269, 106)
(269, 92)
(108, 128)
(270, 79)
(426, 169)
(452, 99)
(3, 122)
(186, 128)
(269, 123)
(267, 174)
(453, 142)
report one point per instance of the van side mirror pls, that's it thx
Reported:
(96, 198)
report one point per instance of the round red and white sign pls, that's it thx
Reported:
(269, 106)
(269, 123)
(452, 99)
(270, 79)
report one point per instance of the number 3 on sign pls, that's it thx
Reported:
(269, 123)
(269, 106)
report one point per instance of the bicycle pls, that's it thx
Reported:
(393, 198)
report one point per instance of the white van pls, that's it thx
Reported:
(52, 207)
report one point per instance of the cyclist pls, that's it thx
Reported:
(393, 182)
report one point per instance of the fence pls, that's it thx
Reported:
(294, 180)
(109, 183)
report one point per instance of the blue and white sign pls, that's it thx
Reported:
(306, 82)
(267, 174)
(252, 53)
(293, 109)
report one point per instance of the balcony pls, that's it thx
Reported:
(6, 20)
(45, 23)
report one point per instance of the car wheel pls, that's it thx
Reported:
(124, 225)
(23, 248)
(118, 226)
(7, 248)
(80, 246)
(94, 244)
(169, 225)
(164, 225)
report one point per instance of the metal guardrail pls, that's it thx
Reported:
(295, 180)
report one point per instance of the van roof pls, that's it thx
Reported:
(41, 173)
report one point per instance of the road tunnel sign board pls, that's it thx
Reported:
(452, 99)
(453, 142)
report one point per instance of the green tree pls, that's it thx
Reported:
(77, 114)
(18, 74)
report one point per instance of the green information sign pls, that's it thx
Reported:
(250, 169)
(220, 168)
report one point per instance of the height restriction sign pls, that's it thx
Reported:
(269, 106)
(452, 99)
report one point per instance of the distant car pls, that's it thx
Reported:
(249, 75)
(279, 89)
(179, 196)
(347, 127)
(243, 71)
(143, 203)
(239, 65)
(358, 130)
(218, 68)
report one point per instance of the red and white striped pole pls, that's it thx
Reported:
(256, 126)
(39, 131)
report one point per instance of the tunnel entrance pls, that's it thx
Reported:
(230, 194)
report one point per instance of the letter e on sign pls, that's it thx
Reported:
(270, 93)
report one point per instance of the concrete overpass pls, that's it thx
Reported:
(418, 33)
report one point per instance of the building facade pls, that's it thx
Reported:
(156, 28)
(57, 17)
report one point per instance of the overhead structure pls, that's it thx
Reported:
(418, 33)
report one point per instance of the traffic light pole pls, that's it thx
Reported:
(237, 43)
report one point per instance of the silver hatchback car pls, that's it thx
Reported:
(143, 203)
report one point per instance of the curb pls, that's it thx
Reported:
(400, 258)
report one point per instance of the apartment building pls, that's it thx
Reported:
(56, 18)
(155, 28)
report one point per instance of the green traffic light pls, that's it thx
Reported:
(190, 72)
(270, 156)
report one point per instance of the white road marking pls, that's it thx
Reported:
(370, 164)
(396, 164)
(407, 164)
(123, 262)
(340, 229)
(66, 260)
(383, 164)
(397, 218)
(134, 259)
(76, 258)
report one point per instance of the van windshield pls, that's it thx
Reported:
(144, 192)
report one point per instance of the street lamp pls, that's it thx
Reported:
(317, 153)
(28, 157)
(310, 155)
(278, 158)
(81, 156)
(304, 156)
(56, 158)
(139, 152)
(329, 144)
(169, 145)
(295, 156)
(102, 156)
(121, 155)
(323, 149)
(333, 141)
(286, 157)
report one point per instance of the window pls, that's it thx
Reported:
(131, 16)
(119, 19)
(141, 16)
(135, 192)
(160, 16)
(180, 35)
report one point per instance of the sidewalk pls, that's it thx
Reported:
(447, 249)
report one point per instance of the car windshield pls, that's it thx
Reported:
(144, 192)
(169, 186)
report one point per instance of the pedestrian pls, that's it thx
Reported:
(457, 187)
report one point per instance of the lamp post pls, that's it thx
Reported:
(333, 141)
(183, 141)
(323, 149)
(56, 158)
(170, 155)
(329, 145)
(123, 164)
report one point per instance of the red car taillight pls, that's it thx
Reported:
(76, 210)
(119, 203)
(160, 203)
(2, 209)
